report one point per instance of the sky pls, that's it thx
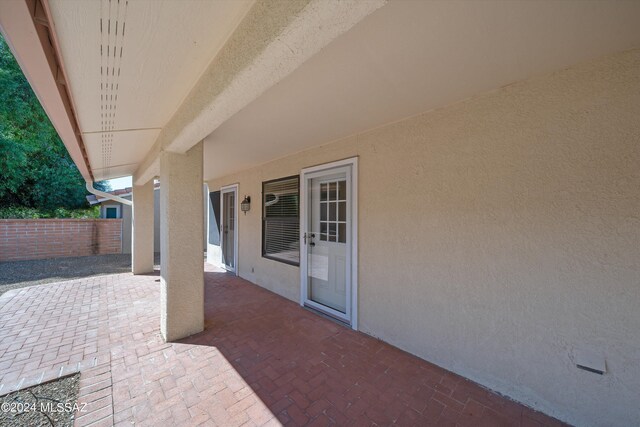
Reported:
(118, 183)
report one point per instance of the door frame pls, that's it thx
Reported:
(352, 296)
(233, 188)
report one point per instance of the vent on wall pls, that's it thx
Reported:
(113, 16)
(590, 361)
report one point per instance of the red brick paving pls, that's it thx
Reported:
(262, 360)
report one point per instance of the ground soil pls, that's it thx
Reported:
(20, 274)
(49, 404)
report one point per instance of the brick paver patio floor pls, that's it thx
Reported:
(262, 360)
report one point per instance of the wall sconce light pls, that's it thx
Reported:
(245, 206)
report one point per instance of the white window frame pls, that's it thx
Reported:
(306, 174)
(263, 235)
(118, 214)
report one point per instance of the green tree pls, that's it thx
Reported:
(36, 170)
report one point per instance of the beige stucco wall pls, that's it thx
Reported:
(498, 236)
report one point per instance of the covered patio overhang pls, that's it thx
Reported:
(240, 83)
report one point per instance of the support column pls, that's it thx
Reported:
(142, 225)
(181, 240)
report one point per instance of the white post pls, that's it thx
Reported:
(181, 242)
(142, 229)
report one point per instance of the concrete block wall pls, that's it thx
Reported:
(23, 239)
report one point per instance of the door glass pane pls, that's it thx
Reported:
(332, 232)
(323, 211)
(332, 211)
(342, 190)
(342, 232)
(342, 211)
(332, 191)
(323, 192)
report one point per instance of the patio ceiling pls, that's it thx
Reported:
(409, 57)
(130, 65)
(125, 80)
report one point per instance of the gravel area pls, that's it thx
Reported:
(50, 404)
(20, 274)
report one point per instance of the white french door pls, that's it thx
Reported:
(229, 221)
(328, 240)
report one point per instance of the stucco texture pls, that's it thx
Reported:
(142, 228)
(273, 39)
(181, 235)
(498, 236)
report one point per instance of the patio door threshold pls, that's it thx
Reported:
(327, 315)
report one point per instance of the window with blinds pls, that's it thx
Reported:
(281, 220)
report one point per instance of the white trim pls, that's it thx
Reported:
(328, 310)
(208, 222)
(354, 243)
(305, 175)
(104, 199)
(118, 210)
(303, 247)
(352, 161)
(233, 188)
